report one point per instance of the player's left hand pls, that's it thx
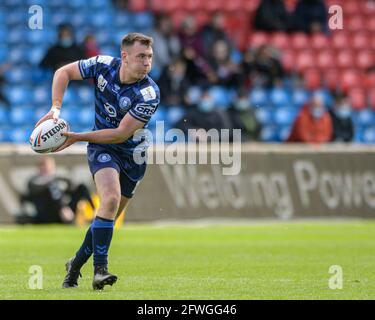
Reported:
(72, 138)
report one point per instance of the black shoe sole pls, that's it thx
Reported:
(108, 281)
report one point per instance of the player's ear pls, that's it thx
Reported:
(124, 55)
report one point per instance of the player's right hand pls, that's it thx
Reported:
(54, 114)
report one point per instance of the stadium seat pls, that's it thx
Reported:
(143, 20)
(20, 135)
(299, 41)
(269, 134)
(70, 97)
(4, 135)
(20, 115)
(345, 59)
(355, 23)
(371, 98)
(257, 39)
(357, 98)
(86, 116)
(174, 114)
(288, 60)
(258, 97)
(360, 41)
(350, 7)
(212, 6)
(85, 94)
(369, 80)
(138, 5)
(36, 55)
(364, 117)
(279, 97)
(299, 97)
(101, 20)
(264, 115)
(369, 135)
(370, 22)
(283, 133)
(41, 95)
(319, 41)
(285, 116)
(312, 79)
(351, 78)
(19, 95)
(71, 114)
(340, 40)
(326, 59)
(332, 79)
(4, 116)
(365, 59)
(220, 96)
(280, 40)
(20, 75)
(305, 60)
(233, 6)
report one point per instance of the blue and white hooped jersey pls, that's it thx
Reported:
(113, 100)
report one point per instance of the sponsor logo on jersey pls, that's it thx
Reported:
(110, 110)
(148, 93)
(105, 59)
(89, 62)
(104, 157)
(102, 83)
(145, 109)
(124, 104)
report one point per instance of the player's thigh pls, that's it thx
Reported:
(123, 204)
(108, 186)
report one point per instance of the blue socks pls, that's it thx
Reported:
(102, 231)
(98, 236)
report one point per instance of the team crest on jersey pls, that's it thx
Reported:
(110, 110)
(124, 104)
(102, 83)
(148, 93)
(104, 157)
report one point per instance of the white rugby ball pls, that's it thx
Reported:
(47, 136)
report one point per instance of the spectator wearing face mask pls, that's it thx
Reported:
(66, 50)
(341, 113)
(204, 116)
(242, 116)
(313, 124)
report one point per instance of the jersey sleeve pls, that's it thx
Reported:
(146, 104)
(90, 67)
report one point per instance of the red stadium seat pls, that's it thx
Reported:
(350, 7)
(332, 78)
(369, 80)
(365, 59)
(351, 78)
(299, 41)
(288, 60)
(257, 39)
(305, 60)
(360, 40)
(233, 5)
(340, 40)
(250, 6)
(355, 23)
(178, 17)
(280, 40)
(193, 5)
(371, 98)
(157, 5)
(320, 41)
(212, 5)
(312, 79)
(201, 17)
(345, 59)
(326, 59)
(138, 5)
(357, 98)
(173, 5)
(370, 22)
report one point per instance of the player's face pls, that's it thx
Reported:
(139, 60)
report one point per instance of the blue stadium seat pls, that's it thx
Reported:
(79, 19)
(113, 51)
(36, 55)
(364, 117)
(283, 133)
(4, 33)
(358, 135)
(20, 135)
(40, 111)
(19, 95)
(175, 114)
(101, 20)
(159, 115)
(269, 134)
(194, 94)
(122, 20)
(40, 76)
(86, 95)
(41, 95)
(20, 116)
(44, 37)
(17, 17)
(86, 116)
(60, 16)
(71, 114)
(17, 36)
(18, 55)
(220, 96)
(369, 135)
(104, 40)
(264, 115)
(285, 116)
(100, 4)
(4, 135)
(258, 97)
(18, 75)
(143, 21)
(78, 4)
(70, 97)
(279, 97)
(299, 97)
(4, 116)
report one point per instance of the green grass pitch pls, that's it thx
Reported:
(280, 260)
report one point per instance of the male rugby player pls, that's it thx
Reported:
(125, 99)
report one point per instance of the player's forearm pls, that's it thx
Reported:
(105, 136)
(60, 82)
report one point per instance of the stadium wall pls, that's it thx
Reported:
(275, 181)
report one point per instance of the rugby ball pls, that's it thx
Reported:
(47, 136)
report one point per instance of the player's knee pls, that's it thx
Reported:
(111, 203)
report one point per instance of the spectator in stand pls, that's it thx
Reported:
(190, 37)
(205, 116)
(166, 43)
(271, 15)
(90, 46)
(173, 83)
(223, 71)
(261, 66)
(66, 50)
(313, 124)
(242, 116)
(341, 113)
(310, 16)
(213, 32)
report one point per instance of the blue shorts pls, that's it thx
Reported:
(100, 157)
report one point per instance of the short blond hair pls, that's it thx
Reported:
(131, 38)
